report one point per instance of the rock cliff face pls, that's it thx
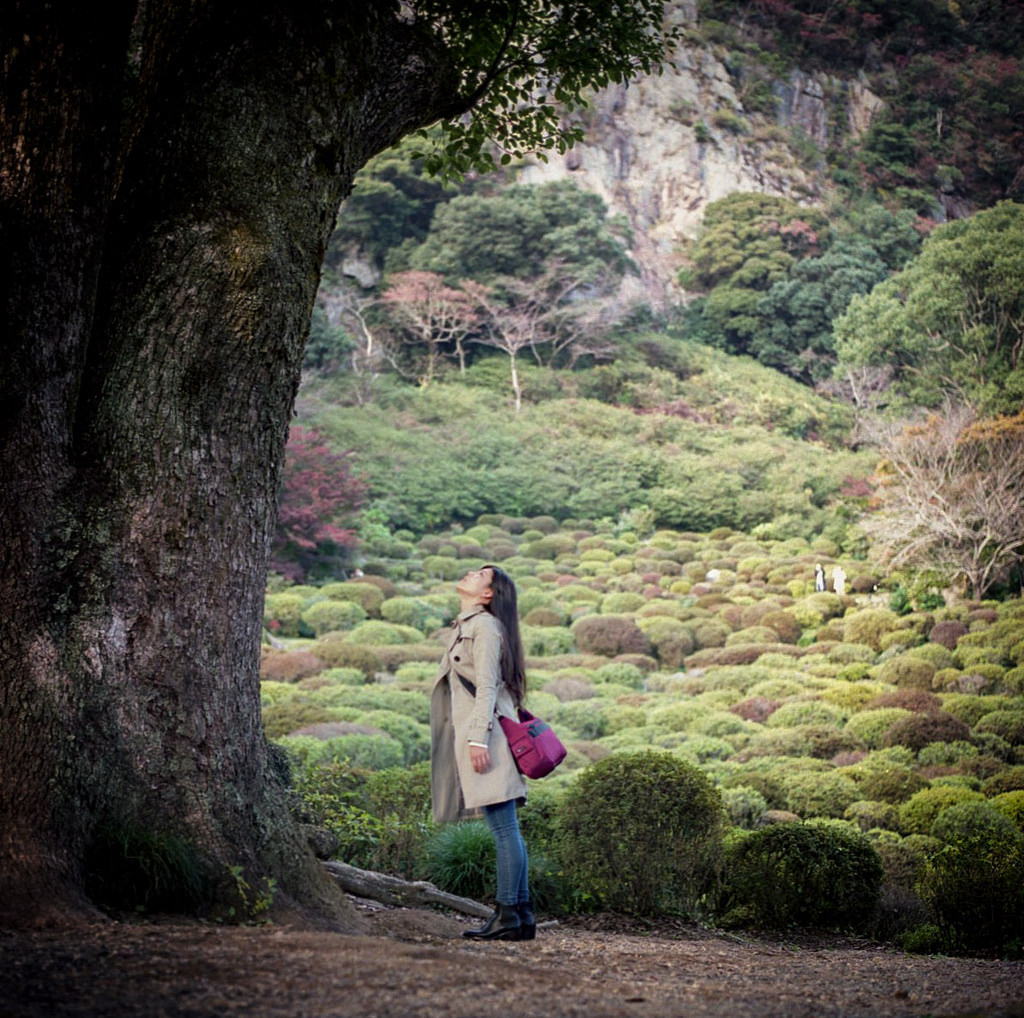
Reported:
(660, 149)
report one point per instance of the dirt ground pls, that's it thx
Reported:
(413, 962)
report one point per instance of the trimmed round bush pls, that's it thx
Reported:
(621, 602)
(947, 633)
(744, 806)
(907, 672)
(546, 641)
(333, 616)
(609, 635)
(890, 784)
(641, 832)
(786, 625)
(918, 730)
(805, 712)
(1008, 779)
(1007, 724)
(868, 727)
(289, 665)
(818, 873)
(869, 814)
(282, 613)
(368, 596)
(818, 793)
(335, 652)
(381, 634)
(415, 612)
(620, 673)
(918, 813)
(917, 700)
(869, 625)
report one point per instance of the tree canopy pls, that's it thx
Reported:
(952, 322)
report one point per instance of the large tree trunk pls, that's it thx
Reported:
(161, 253)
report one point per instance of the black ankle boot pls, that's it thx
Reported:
(503, 925)
(527, 921)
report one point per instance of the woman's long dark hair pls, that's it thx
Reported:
(504, 607)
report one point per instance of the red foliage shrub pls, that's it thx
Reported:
(947, 633)
(289, 665)
(609, 635)
(920, 729)
(755, 708)
(918, 700)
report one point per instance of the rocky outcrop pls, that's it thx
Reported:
(662, 148)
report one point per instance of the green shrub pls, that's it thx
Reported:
(890, 784)
(918, 813)
(373, 752)
(336, 652)
(818, 793)
(975, 883)
(414, 736)
(621, 603)
(818, 873)
(1011, 805)
(641, 831)
(381, 634)
(546, 641)
(907, 672)
(620, 673)
(1007, 724)
(869, 814)
(868, 626)
(851, 653)
(868, 727)
(288, 716)
(805, 712)
(380, 819)
(368, 596)
(331, 616)
(744, 806)
(417, 612)
(282, 613)
(939, 754)
(460, 859)
(1008, 779)
(581, 718)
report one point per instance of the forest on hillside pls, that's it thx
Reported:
(835, 384)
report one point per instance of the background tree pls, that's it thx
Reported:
(318, 495)
(520, 230)
(952, 322)
(747, 243)
(952, 497)
(169, 178)
(432, 314)
(797, 314)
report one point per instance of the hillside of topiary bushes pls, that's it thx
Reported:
(743, 750)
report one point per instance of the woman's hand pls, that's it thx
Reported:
(480, 758)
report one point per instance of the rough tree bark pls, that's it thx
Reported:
(162, 224)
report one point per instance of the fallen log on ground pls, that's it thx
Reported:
(391, 890)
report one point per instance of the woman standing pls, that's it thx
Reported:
(472, 772)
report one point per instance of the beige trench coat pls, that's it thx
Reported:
(458, 718)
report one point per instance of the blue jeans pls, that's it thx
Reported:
(510, 852)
